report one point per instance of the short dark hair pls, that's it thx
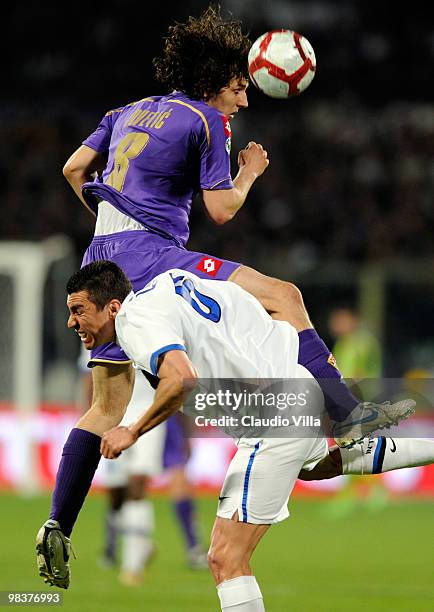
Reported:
(103, 281)
(203, 54)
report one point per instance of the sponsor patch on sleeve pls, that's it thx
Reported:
(209, 265)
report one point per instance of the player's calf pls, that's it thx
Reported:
(372, 456)
(237, 589)
(232, 545)
(376, 455)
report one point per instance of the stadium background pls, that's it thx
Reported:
(345, 210)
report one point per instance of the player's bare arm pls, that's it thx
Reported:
(223, 204)
(175, 372)
(81, 168)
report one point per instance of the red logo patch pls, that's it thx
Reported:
(209, 265)
(226, 126)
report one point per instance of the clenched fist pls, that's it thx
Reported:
(254, 157)
(115, 440)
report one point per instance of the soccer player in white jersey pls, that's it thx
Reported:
(180, 327)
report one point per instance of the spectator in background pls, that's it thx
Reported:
(358, 354)
(356, 349)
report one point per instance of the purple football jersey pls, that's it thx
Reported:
(161, 152)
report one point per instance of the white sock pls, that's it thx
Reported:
(240, 594)
(137, 530)
(375, 455)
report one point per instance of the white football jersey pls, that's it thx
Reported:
(225, 331)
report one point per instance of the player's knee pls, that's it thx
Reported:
(290, 293)
(224, 562)
(283, 295)
(137, 486)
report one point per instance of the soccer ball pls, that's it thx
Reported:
(281, 63)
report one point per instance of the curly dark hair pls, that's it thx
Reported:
(202, 55)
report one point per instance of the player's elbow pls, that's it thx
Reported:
(222, 217)
(221, 206)
(223, 213)
(67, 170)
(71, 170)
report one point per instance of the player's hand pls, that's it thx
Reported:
(255, 157)
(115, 440)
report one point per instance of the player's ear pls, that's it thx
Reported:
(113, 308)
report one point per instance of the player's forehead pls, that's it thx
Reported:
(78, 298)
(238, 83)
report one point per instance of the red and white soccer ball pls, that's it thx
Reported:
(282, 63)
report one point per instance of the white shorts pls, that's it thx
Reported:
(145, 457)
(262, 474)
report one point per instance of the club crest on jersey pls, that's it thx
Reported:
(332, 361)
(226, 126)
(209, 265)
(228, 133)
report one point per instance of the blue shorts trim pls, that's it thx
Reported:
(246, 482)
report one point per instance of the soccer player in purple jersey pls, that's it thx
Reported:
(150, 158)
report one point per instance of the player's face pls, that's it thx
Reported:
(95, 327)
(231, 99)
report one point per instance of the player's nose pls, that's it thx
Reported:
(71, 321)
(243, 101)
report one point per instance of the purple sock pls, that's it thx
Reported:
(185, 512)
(314, 355)
(77, 467)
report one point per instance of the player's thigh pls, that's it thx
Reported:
(112, 387)
(328, 467)
(262, 287)
(283, 300)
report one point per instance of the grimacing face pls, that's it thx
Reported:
(231, 99)
(95, 327)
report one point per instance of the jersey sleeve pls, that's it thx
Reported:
(150, 327)
(99, 140)
(214, 149)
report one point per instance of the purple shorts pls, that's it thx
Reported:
(175, 445)
(142, 255)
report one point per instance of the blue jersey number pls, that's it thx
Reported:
(203, 304)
